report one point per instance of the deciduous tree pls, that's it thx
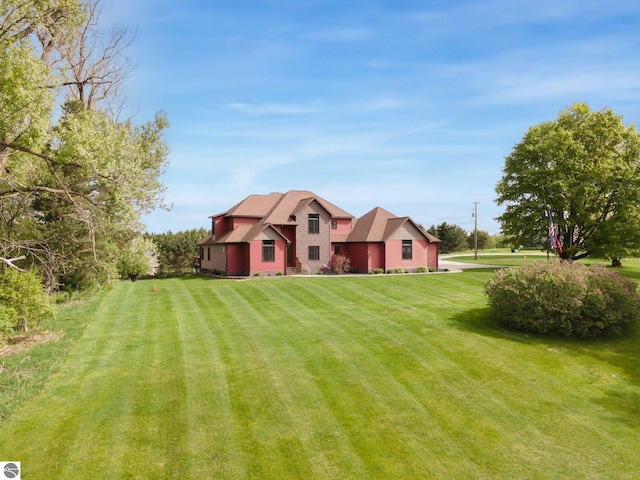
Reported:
(584, 167)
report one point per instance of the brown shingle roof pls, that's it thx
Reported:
(246, 233)
(293, 201)
(207, 241)
(277, 208)
(237, 235)
(255, 206)
(378, 225)
(371, 226)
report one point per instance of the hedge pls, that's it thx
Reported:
(563, 298)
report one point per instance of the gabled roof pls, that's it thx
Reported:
(293, 201)
(241, 234)
(278, 208)
(255, 206)
(378, 225)
(371, 226)
(273, 209)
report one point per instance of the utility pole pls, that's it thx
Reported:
(475, 230)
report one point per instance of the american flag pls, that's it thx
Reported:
(554, 241)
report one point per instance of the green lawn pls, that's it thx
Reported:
(505, 258)
(396, 377)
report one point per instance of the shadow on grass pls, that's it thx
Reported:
(631, 273)
(622, 353)
(480, 321)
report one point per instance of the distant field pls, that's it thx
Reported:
(393, 377)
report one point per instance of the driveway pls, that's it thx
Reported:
(460, 266)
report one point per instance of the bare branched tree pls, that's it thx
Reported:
(94, 65)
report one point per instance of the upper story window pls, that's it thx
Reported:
(334, 224)
(314, 223)
(407, 249)
(268, 250)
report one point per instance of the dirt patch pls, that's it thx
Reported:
(21, 343)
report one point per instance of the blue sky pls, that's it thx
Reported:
(407, 105)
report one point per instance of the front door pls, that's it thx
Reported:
(289, 256)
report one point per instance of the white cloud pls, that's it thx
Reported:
(339, 34)
(492, 14)
(573, 85)
(277, 108)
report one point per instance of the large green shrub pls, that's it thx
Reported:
(23, 303)
(563, 298)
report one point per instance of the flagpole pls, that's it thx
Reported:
(548, 236)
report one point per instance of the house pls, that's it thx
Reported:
(299, 231)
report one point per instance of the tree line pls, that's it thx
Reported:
(75, 177)
(454, 238)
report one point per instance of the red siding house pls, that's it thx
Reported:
(300, 232)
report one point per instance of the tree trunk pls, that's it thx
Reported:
(616, 262)
(4, 157)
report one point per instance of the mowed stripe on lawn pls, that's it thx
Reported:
(350, 377)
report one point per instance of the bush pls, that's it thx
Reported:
(341, 264)
(563, 298)
(7, 321)
(23, 303)
(421, 269)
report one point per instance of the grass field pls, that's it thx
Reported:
(504, 258)
(394, 377)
